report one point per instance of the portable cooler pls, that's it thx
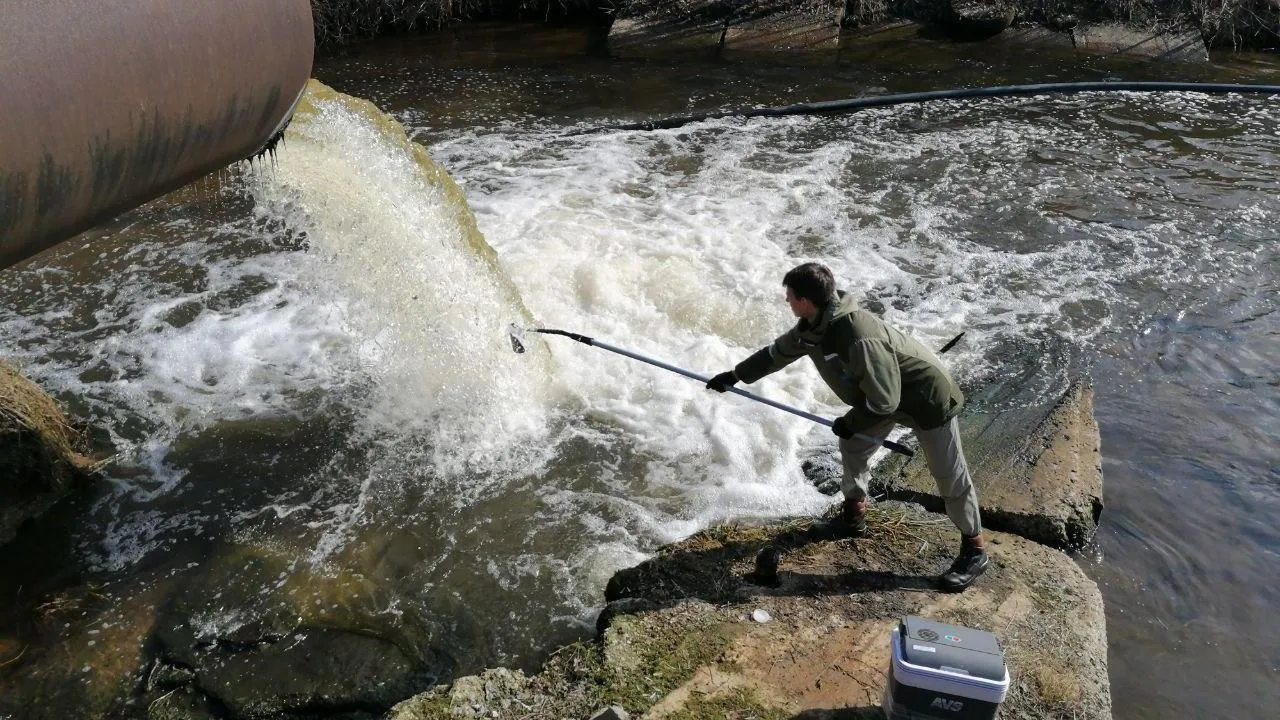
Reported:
(944, 672)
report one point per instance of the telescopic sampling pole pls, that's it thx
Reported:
(518, 346)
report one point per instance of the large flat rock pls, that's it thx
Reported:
(786, 27)
(678, 638)
(1038, 469)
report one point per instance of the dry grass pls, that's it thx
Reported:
(720, 536)
(1055, 686)
(35, 436)
(1042, 645)
(64, 604)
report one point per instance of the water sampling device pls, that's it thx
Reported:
(517, 344)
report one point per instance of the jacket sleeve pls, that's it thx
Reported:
(875, 365)
(788, 348)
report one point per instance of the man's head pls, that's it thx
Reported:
(808, 288)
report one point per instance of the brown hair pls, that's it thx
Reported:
(811, 281)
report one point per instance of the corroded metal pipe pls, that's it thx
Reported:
(105, 105)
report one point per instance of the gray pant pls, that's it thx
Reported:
(942, 450)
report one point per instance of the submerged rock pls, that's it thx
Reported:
(261, 635)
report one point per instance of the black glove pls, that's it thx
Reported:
(723, 381)
(841, 428)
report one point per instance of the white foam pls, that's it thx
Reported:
(669, 243)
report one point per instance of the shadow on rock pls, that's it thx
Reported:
(905, 549)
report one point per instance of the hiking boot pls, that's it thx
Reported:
(849, 522)
(854, 515)
(969, 564)
(766, 572)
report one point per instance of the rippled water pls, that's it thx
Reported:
(313, 356)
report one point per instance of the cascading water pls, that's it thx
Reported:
(314, 363)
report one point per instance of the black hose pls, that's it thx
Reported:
(831, 106)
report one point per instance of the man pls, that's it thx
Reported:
(887, 378)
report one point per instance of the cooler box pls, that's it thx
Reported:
(941, 671)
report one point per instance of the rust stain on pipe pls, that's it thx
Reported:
(104, 106)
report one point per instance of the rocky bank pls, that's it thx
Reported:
(830, 31)
(680, 636)
(683, 635)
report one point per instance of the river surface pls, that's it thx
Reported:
(309, 355)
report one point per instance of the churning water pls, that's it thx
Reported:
(312, 356)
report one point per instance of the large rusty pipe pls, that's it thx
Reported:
(105, 105)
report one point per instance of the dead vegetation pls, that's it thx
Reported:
(341, 21)
(40, 450)
(1056, 686)
(28, 416)
(66, 604)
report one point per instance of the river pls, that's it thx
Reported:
(311, 354)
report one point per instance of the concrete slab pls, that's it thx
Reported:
(666, 28)
(1178, 46)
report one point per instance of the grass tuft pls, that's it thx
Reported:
(38, 445)
(1056, 687)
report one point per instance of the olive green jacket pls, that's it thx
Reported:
(880, 372)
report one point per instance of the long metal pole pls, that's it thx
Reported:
(586, 340)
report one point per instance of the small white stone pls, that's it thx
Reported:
(761, 615)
